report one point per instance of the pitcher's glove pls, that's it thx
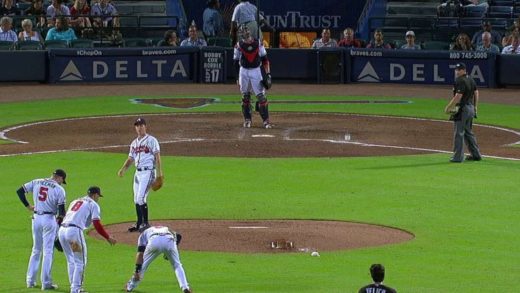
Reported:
(158, 183)
(57, 245)
(266, 81)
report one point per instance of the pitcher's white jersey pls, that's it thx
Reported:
(143, 151)
(82, 212)
(47, 195)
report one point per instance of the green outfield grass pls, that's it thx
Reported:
(463, 215)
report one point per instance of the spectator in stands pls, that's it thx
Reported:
(348, 40)
(170, 39)
(28, 34)
(245, 13)
(480, 3)
(213, 23)
(326, 41)
(514, 48)
(80, 13)
(57, 8)
(6, 32)
(61, 30)
(9, 8)
(410, 42)
(515, 25)
(378, 42)
(486, 45)
(193, 38)
(106, 14)
(455, 8)
(462, 43)
(36, 9)
(486, 27)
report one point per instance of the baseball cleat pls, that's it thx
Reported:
(143, 227)
(133, 228)
(472, 158)
(50, 287)
(187, 290)
(267, 125)
(31, 285)
(247, 124)
(129, 286)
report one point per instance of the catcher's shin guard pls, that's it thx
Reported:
(263, 107)
(246, 106)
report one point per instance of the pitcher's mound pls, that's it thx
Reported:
(259, 236)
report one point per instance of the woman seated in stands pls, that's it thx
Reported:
(61, 31)
(462, 43)
(28, 34)
(36, 9)
(80, 13)
(170, 39)
(378, 42)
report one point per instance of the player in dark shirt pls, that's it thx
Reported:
(463, 107)
(377, 271)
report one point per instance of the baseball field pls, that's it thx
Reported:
(362, 154)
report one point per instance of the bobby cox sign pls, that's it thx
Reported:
(95, 66)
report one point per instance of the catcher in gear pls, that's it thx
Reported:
(250, 57)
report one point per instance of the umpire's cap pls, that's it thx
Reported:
(460, 66)
(61, 173)
(94, 189)
(139, 121)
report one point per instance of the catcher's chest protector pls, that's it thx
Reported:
(250, 54)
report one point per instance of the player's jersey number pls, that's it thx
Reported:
(77, 205)
(43, 193)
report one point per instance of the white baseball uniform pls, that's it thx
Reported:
(47, 196)
(80, 215)
(250, 75)
(159, 240)
(143, 151)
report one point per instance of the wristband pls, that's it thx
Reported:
(138, 268)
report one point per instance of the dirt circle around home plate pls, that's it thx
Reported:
(269, 236)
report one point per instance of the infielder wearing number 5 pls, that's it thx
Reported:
(145, 152)
(49, 200)
(81, 213)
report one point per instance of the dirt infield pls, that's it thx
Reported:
(221, 134)
(258, 236)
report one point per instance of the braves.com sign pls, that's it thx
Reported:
(89, 66)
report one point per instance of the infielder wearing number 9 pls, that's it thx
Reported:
(49, 200)
(145, 152)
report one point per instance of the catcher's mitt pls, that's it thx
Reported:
(158, 183)
(266, 81)
(57, 245)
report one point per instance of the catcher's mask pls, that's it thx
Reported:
(244, 32)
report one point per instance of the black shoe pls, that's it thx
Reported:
(133, 228)
(455, 161)
(143, 227)
(472, 158)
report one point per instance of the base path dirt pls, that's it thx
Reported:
(260, 236)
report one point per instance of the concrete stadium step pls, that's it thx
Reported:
(411, 8)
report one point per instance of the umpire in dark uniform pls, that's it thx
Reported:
(463, 107)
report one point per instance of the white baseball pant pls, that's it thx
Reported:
(75, 249)
(44, 229)
(250, 77)
(142, 182)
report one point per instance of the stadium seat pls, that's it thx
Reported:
(6, 45)
(502, 2)
(436, 45)
(219, 42)
(56, 44)
(135, 42)
(474, 11)
(500, 11)
(29, 45)
(82, 43)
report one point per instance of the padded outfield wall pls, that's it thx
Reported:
(215, 65)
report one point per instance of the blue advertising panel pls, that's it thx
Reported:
(420, 67)
(121, 65)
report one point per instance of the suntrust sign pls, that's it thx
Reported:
(108, 66)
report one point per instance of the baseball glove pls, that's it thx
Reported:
(158, 183)
(267, 81)
(57, 245)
